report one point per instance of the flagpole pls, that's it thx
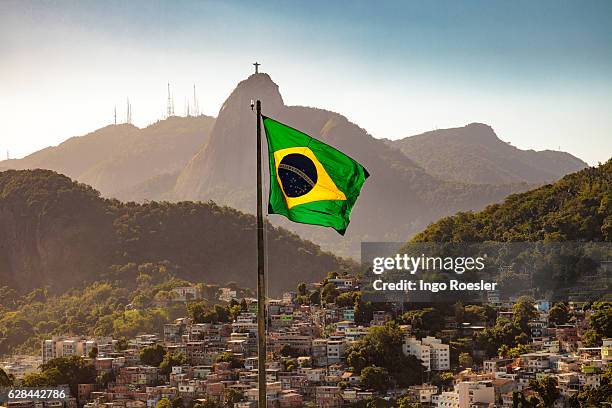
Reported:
(261, 286)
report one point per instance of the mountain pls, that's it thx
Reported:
(214, 159)
(399, 199)
(58, 233)
(576, 208)
(474, 154)
(119, 158)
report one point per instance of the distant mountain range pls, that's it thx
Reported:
(120, 159)
(206, 159)
(474, 154)
(60, 234)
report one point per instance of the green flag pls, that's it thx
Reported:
(310, 182)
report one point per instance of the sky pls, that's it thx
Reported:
(540, 73)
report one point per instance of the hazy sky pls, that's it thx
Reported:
(539, 72)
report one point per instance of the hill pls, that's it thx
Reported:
(576, 208)
(399, 199)
(474, 154)
(119, 158)
(59, 234)
(214, 159)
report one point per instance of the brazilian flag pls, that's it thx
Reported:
(310, 182)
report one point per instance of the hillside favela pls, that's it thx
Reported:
(426, 223)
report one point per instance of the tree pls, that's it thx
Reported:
(315, 298)
(177, 402)
(229, 357)
(523, 311)
(93, 353)
(465, 360)
(232, 396)
(375, 378)
(382, 346)
(547, 390)
(171, 360)
(106, 378)
(122, 344)
(301, 289)
(152, 355)
(423, 321)
(287, 351)
(329, 293)
(601, 319)
(164, 403)
(196, 311)
(559, 314)
(5, 379)
(64, 370)
(346, 299)
(443, 380)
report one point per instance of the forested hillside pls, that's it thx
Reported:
(59, 234)
(576, 208)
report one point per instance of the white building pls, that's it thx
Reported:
(434, 355)
(465, 395)
(59, 346)
(335, 350)
(185, 294)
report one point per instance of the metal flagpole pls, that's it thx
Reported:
(261, 287)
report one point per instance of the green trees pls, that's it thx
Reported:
(329, 293)
(232, 396)
(601, 319)
(231, 358)
(382, 347)
(171, 360)
(93, 353)
(315, 298)
(375, 378)
(65, 370)
(423, 321)
(508, 334)
(547, 391)
(288, 351)
(523, 311)
(5, 379)
(301, 289)
(163, 403)
(466, 360)
(575, 208)
(559, 314)
(152, 355)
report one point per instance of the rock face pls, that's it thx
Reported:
(474, 154)
(224, 169)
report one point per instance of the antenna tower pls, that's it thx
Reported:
(128, 114)
(196, 105)
(170, 107)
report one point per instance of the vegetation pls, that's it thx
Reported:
(152, 355)
(59, 371)
(375, 378)
(382, 347)
(576, 208)
(83, 237)
(6, 380)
